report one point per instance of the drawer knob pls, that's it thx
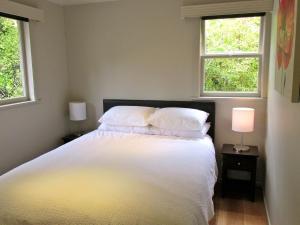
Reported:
(238, 163)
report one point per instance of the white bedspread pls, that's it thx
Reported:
(110, 178)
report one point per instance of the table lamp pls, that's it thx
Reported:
(77, 111)
(242, 122)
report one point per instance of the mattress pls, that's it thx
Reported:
(111, 178)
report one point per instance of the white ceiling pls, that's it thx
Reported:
(77, 2)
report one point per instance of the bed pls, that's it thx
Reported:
(113, 178)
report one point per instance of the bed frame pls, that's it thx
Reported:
(201, 105)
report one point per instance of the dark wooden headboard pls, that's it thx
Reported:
(201, 105)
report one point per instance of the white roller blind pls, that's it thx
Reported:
(226, 8)
(17, 9)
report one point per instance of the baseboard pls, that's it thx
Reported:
(267, 209)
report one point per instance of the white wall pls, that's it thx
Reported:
(31, 130)
(282, 153)
(141, 49)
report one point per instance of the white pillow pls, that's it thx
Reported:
(182, 133)
(127, 116)
(125, 129)
(156, 131)
(178, 119)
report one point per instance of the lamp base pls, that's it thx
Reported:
(241, 148)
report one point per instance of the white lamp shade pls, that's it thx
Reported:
(243, 119)
(77, 111)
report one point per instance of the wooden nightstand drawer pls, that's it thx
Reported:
(239, 163)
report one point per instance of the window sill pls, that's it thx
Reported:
(18, 104)
(231, 98)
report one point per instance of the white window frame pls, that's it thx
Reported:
(260, 55)
(25, 66)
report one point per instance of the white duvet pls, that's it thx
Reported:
(110, 178)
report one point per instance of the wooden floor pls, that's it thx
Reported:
(237, 210)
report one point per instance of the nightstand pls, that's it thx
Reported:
(239, 161)
(70, 137)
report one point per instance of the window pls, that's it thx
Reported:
(232, 55)
(15, 83)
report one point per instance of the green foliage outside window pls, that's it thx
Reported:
(231, 74)
(11, 84)
(232, 36)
